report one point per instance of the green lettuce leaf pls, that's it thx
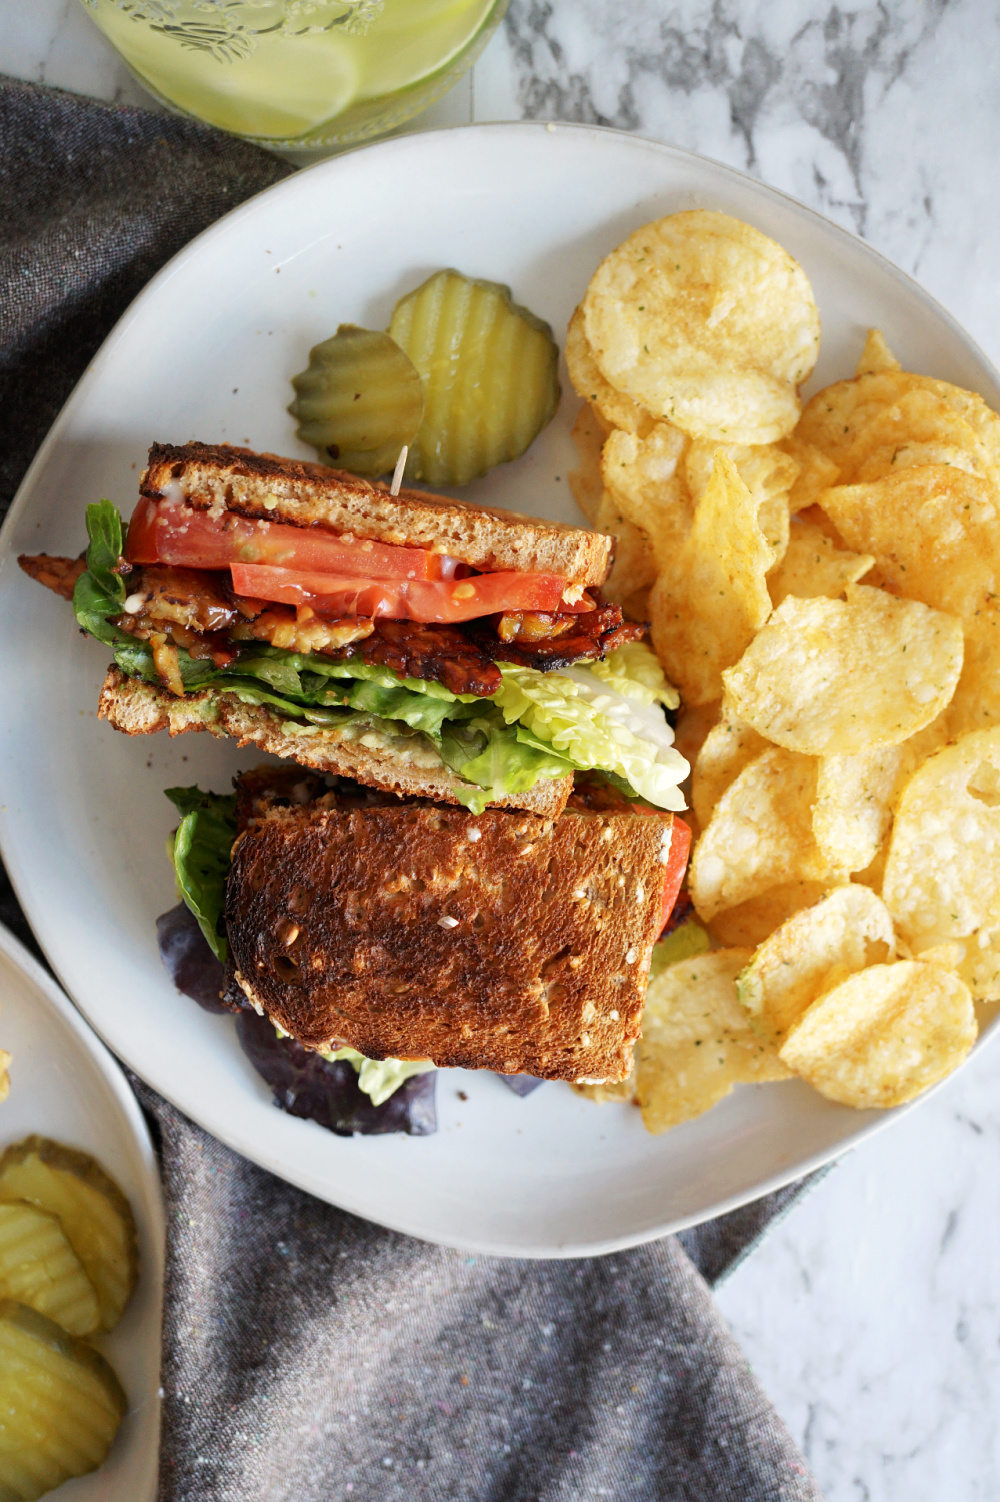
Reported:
(100, 591)
(202, 852)
(380, 1078)
(687, 940)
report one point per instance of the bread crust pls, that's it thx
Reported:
(139, 708)
(524, 949)
(272, 488)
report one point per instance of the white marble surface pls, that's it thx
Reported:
(872, 1314)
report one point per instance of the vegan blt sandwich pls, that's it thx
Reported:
(481, 852)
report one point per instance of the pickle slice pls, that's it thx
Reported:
(95, 1214)
(490, 375)
(39, 1267)
(359, 401)
(60, 1404)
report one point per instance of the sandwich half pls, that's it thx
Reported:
(410, 642)
(414, 932)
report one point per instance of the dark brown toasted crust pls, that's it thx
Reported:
(335, 924)
(139, 708)
(303, 494)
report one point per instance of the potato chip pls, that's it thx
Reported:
(883, 1035)
(767, 471)
(876, 355)
(942, 876)
(706, 322)
(831, 676)
(711, 595)
(921, 428)
(694, 723)
(620, 1090)
(853, 808)
(810, 954)
(760, 835)
(641, 477)
(976, 704)
(816, 473)
(749, 923)
(696, 1042)
(616, 409)
(634, 567)
(589, 432)
(813, 566)
(726, 750)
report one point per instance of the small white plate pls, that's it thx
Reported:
(65, 1084)
(207, 352)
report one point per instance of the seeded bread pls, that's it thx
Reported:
(403, 761)
(288, 490)
(502, 941)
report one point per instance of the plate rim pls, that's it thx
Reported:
(401, 145)
(113, 1076)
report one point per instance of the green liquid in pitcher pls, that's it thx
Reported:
(281, 70)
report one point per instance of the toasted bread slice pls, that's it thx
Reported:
(287, 490)
(502, 941)
(405, 762)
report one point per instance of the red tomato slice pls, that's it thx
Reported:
(431, 601)
(677, 859)
(172, 532)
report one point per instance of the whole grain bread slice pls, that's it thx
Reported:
(404, 762)
(502, 941)
(266, 486)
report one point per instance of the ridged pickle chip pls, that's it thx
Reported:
(810, 954)
(589, 434)
(766, 470)
(641, 477)
(853, 810)
(38, 1267)
(831, 676)
(490, 374)
(883, 1035)
(760, 835)
(95, 1215)
(696, 1043)
(60, 1405)
(360, 400)
(942, 876)
(615, 408)
(706, 322)
(814, 566)
(730, 745)
(711, 595)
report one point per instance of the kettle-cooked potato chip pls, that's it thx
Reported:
(760, 835)
(816, 473)
(813, 566)
(711, 595)
(920, 428)
(706, 322)
(617, 409)
(767, 471)
(729, 746)
(831, 676)
(696, 1042)
(876, 355)
(750, 922)
(810, 954)
(884, 1034)
(853, 810)
(641, 477)
(589, 432)
(942, 876)
(634, 567)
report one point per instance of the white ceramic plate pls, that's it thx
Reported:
(65, 1084)
(207, 352)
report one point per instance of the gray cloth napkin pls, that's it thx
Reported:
(309, 1355)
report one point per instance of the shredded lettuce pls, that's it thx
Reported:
(687, 940)
(380, 1078)
(595, 716)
